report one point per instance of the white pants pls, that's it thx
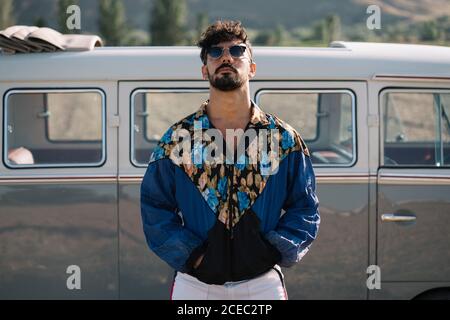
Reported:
(268, 286)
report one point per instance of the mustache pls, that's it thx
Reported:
(226, 65)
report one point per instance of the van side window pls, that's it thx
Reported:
(154, 111)
(74, 117)
(54, 128)
(325, 119)
(416, 128)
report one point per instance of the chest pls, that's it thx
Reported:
(231, 133)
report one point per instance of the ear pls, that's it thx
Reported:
(205, 72)
(252, 70)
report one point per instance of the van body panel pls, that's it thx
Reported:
(143, 275)
(335, 266)
(417, 250)
(405, 290)
(354, 62)
(50, 225)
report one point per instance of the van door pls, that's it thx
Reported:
(330, 116)
(147, 110)
(325, 113)
(58, 192)
(414, 187)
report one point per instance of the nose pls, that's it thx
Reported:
(226, 56)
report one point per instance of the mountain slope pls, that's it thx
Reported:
(258, 14)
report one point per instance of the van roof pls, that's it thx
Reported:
(340, 61)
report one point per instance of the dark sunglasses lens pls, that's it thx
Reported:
(237, 51)
(215, 52)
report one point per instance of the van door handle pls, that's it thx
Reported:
(392, 217)
(142, 114)
(44, 114)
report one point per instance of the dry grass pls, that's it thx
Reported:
(412, 10)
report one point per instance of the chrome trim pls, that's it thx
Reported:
(392, 217)
(344, 90)
(414, 175)
(343, 179)
(53, 165)
(409, 77)
(163, 90)
(133, 180)
(321, 179)
(59, 180)
(413, 180)
(381, 95)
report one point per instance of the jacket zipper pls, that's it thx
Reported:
(230, 211)
(230, 215)
(232, 189)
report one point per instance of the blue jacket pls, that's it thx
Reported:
(243, 216)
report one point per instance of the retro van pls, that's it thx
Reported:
(78, 129)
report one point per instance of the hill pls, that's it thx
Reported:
(255, 14)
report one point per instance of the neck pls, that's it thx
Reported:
(231, 107)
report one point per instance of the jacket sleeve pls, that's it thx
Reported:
(299, 225)
(162, 225)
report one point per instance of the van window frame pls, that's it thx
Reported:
(318, 91)
(132, 115)
(12, 91)
(381, 97)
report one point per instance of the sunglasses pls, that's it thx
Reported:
(235, 51)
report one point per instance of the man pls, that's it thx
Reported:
(219, 223)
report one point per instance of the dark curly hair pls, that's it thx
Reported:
(221, 31)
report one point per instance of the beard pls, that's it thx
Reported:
(227, 81)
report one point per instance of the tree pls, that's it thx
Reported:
(6, 14)
(201, 24)
(275, 37)
(40, 22)
(112, 22)
(319, 31)
(263, 38)
(444, 26)
(63, 15)
(167, 26)
(136, 37)
(429, 31)
(279, 35)
(332, 28)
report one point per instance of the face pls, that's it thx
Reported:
(228, 72)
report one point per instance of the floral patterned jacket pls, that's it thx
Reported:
(243, 215)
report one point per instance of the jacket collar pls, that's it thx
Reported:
(258, 118)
